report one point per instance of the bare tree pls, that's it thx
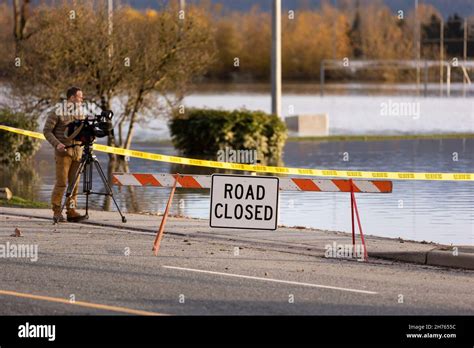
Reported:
(155, 56)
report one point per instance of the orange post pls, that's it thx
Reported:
(352, 214)
(352, 217)
(159, 235)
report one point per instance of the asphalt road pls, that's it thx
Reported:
(109, 272)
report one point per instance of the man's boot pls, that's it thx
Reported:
(57, 214)
(74, 216)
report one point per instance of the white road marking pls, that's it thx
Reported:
(272, 280)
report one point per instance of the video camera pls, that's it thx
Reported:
(85, 131)
(88, 129)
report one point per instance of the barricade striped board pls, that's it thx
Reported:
(286, 184)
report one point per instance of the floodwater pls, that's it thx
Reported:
(441, 212)
(347, 115)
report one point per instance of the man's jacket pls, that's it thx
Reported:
(54, 132)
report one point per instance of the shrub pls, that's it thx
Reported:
(12, 144)
(203, 132)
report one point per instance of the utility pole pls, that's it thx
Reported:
(464, 80)
(110, 11)
(417, 48)
(441, 56)
(276, 58)
(182, 5)
(334, 31)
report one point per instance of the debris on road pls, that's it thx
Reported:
(17, 233)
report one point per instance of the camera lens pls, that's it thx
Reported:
(108, 114)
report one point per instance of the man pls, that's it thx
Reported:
(67, 157)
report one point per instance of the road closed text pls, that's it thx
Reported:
(244, 211)
(244, 202)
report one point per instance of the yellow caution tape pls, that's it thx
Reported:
(267, 169)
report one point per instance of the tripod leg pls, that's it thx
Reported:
(107, 187)
(87, 185)
(87, 200)
(72, 185)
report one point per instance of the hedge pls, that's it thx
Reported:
(203, 132)
(12, 143)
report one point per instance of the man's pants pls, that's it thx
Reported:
(66, 169)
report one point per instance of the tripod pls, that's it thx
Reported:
(85, 168)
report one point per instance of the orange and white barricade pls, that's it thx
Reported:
(174, 181)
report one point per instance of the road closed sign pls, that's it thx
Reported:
(247, 202)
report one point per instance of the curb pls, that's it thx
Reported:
(433, 257)
(418, 257)
(446, 258)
